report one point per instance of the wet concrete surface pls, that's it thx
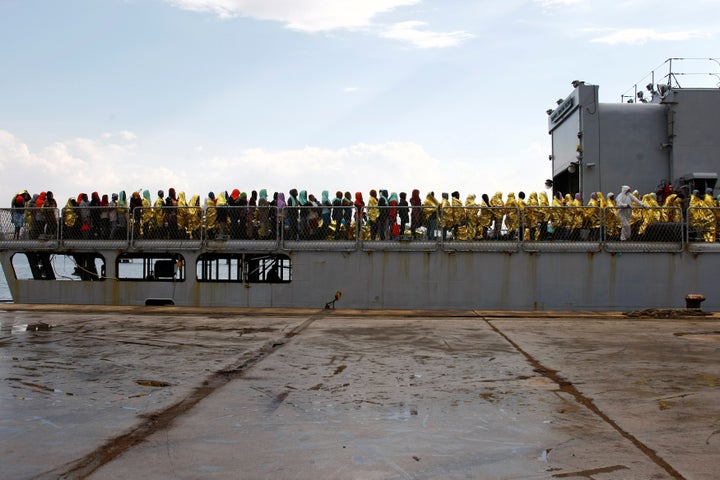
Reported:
(227, 394)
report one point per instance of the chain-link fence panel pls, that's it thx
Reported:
(643, 229)
(36, 227)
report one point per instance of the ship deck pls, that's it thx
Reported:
(168, 392)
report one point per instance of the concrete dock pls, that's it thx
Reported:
(171, 393)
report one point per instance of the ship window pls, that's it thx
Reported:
(245, 268)
(52, 266)
(168, 267)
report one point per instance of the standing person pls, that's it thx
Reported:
(221, 216)
(292, 213)
(383, 215)
(181, 215)
(242, 205)
(71, 225)
(403, 212)
(273, 215)
(159, 216)
(531, 217)
(458, 213)
(498, 212)
(38, 216)
(544, 217)
(624, 203)
(393, 228)
(325, 214)
(415, 212)
(171, 214)
(304, 210)
(233, 212)
(210, 215)
(113, 215)
(194, 217)
(360, 216)
(512, 216)
(281, 212)
(337, 213)
(85, 216)
(347, 203)
(592, 217)
(18, 214)
(148, 227)
(446, 216)
(51, 217)
(373, 213)
(251, 206)
(472, 217)
(136, 205)
(104, 230)
(121, 216)
(430, 209)
(486, 216)
(262, 216)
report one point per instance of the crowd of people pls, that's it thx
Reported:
(384, 216)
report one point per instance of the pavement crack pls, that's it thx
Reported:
(158, 421)
(568, 387)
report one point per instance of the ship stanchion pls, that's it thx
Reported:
(331, 304)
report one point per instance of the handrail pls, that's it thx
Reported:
(351, 228)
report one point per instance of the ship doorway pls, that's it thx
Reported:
(567, 182)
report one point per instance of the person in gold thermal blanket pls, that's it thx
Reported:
(430, 209)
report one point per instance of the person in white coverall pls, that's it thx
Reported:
(624, 203)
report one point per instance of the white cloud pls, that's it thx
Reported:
(556, 3)
(68, 166)
(411, 32)
(127, 135)
(636, 36)
(88, 165)
(322, 16)
(304, 15)
(350, 89)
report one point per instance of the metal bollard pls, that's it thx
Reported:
(693, 300)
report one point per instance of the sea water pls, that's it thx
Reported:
(4, 289)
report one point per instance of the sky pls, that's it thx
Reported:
(351, 95)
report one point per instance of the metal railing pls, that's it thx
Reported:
(470, 228)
